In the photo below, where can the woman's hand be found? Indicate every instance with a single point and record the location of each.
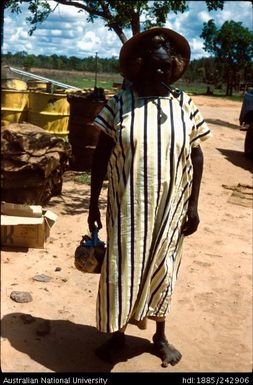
(94, 218)
(192, 221)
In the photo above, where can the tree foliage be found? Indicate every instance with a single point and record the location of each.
(232, 47)
(116, 14)
(203, 72)
(60, 62)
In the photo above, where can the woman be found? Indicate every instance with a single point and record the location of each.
(149, 148)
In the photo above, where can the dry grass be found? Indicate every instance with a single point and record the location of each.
(59, 74)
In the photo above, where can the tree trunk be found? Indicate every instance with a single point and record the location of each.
(119, 32)
(135, 23)
(229, 89)
(230, 79)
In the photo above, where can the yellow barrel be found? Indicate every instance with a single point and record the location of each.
(50, 112)
(38, 85)
(14, 106)
(14, 84)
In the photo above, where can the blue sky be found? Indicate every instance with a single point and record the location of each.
(67, 32)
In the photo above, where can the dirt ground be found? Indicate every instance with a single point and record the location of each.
(211, 319)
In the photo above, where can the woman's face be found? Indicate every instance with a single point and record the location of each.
(156, 68)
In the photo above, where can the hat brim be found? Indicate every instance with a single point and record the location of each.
(129, 53)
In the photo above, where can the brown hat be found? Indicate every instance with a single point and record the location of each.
(129, 65)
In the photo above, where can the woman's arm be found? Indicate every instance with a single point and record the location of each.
(192, 220)
(98, 172)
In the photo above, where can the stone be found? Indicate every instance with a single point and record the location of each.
(42, 278)
(21, 296)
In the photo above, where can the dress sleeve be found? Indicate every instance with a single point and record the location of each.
(200, 130)
(106, 117)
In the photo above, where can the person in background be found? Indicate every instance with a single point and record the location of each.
(149, 148)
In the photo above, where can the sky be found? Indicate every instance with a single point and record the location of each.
(67, 32)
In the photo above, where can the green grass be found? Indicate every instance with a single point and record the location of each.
(88, 83)
(80, 79)
(86, 80)
(84, 178)
(200, 89)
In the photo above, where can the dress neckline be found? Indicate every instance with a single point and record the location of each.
(170, 96)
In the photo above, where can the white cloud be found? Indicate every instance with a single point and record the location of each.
(89, 42)
(23, 34)
(56, 32)
(67, 12)
(67, 32)
(204, 16)
(28, 46)
(181, 21)
(224, 16)
(196, 44)
(79, 29)
(8, 21)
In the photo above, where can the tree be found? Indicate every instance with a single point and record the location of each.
(29, 62)
(116, 14)
(232, 47)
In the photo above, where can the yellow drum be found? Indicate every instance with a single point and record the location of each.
(49, 111)
(38, 85)
(14, 106)
(14, 84)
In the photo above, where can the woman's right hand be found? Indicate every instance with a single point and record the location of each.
(94, 218)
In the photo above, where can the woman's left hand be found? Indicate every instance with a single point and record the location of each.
(192, 220)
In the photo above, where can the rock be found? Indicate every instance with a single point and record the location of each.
(21, 296)
(42, 278)
(58, 269)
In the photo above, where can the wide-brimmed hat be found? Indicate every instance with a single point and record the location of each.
(129, 52)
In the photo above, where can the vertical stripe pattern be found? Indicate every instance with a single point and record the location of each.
(150, 178)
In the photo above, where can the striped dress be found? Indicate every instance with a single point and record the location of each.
(150, 178)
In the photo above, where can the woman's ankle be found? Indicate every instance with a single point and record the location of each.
(157, 337)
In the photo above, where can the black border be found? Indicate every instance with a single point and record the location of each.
(119, 378)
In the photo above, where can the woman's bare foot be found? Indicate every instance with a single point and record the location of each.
(167, 352)
(111, 350)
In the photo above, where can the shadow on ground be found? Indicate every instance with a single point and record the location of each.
(15, 249)
(74, 201)
(65, 346)
(237, 158)
(220, 122)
